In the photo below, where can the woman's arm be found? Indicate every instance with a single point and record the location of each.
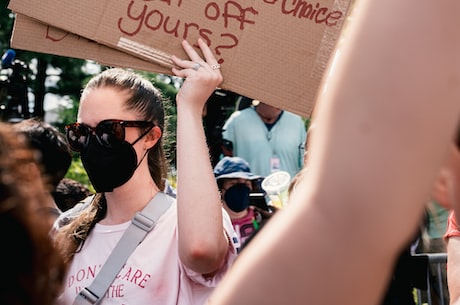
(383, 121)
(202, 241)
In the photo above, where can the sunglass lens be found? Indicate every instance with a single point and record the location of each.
(110, 133)
(77, 136)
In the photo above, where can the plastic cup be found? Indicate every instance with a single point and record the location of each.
(276, 186)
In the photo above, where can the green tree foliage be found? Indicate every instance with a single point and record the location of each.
(77, 172)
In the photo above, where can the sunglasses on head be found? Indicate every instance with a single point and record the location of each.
(109, 133)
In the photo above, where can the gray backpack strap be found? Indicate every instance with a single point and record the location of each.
(142, 223)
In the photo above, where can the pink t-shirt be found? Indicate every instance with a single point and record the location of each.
(245, 227)
(153, 274)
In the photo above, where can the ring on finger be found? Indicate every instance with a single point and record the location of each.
(215, 67)
(196, 66)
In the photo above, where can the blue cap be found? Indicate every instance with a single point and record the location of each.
(233, 168)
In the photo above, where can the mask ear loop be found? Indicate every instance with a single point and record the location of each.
(143, 157)
(143, 135)
(146, 152)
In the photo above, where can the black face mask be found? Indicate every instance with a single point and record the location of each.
(237, 197)
(108, 167)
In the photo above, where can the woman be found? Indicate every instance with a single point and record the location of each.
(119, 137)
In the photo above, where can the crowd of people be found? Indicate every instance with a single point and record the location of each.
(355, 204)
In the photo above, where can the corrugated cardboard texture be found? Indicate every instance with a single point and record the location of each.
(270, 50)
(31, 35)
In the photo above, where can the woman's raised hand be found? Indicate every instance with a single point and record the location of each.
(202, 76)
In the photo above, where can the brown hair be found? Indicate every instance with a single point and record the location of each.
(144, 99)
(53, 151)
(35, 269)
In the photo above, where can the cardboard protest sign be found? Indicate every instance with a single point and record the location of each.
(271, 50)
(32, 35)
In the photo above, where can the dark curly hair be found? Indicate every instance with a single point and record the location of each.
(51, 145)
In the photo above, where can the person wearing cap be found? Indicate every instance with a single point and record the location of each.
(236, 181)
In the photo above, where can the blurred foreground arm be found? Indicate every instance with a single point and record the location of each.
(383, 124)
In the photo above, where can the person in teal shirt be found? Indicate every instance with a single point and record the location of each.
(268, 138)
